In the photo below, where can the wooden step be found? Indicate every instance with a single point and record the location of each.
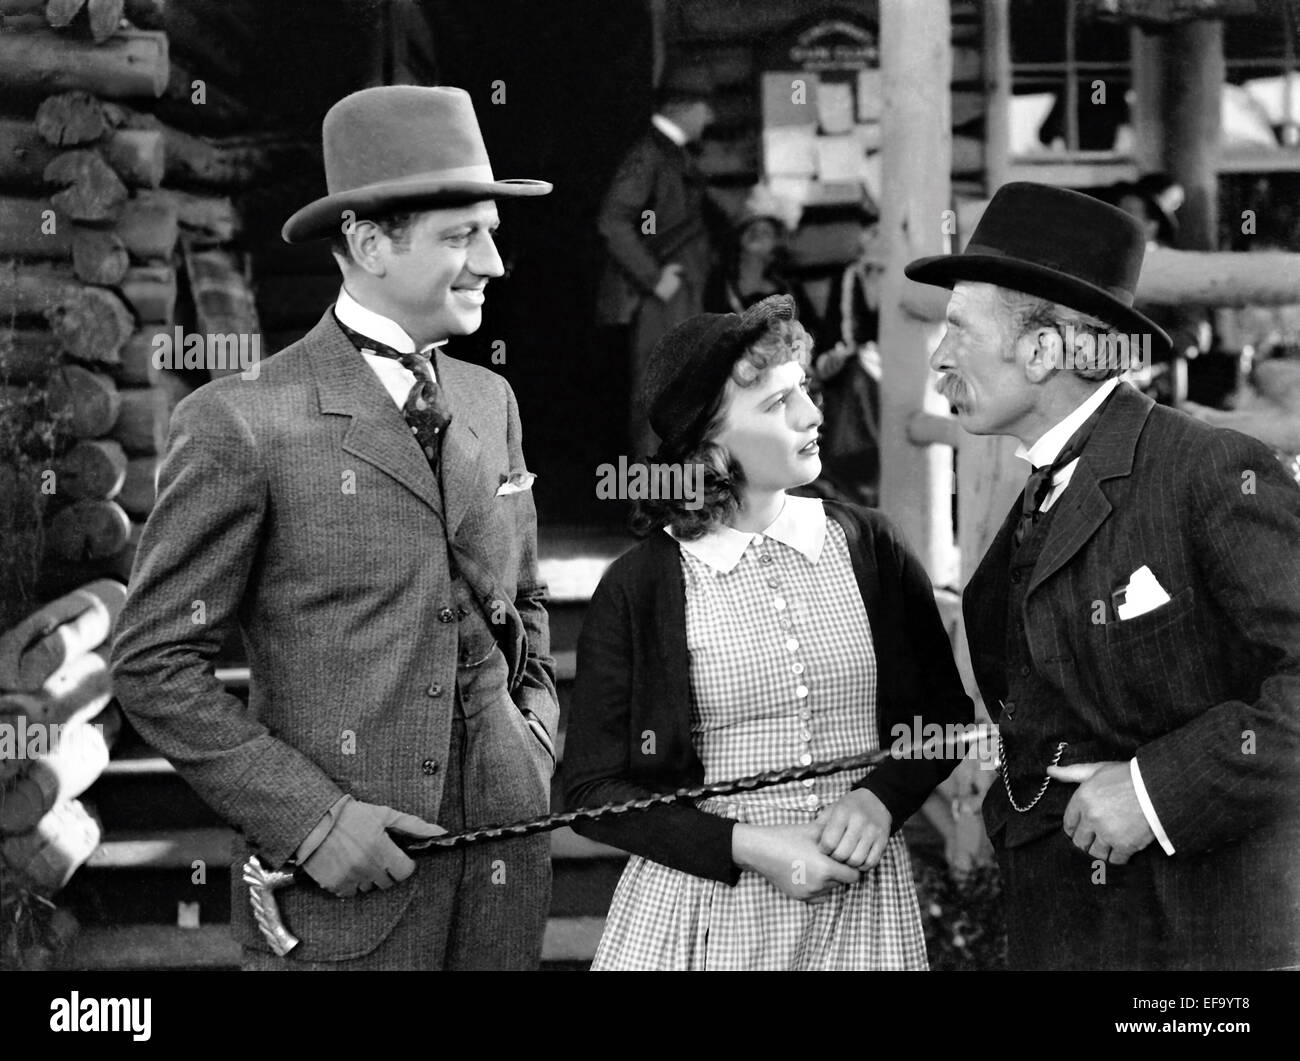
(155, 947)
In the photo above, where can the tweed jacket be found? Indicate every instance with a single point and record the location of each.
(298, 508)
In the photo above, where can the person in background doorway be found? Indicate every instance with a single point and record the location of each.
(653, 227)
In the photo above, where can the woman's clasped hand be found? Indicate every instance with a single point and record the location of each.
(809, 861)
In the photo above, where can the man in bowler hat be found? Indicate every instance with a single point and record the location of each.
(1135, 625)
(362, 513)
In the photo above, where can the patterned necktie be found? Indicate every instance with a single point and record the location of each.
(1040, 479)
(425, 408)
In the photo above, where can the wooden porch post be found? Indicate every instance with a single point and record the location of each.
(1195, 68)
(997, 93)
(916, 128)
(1148, 64)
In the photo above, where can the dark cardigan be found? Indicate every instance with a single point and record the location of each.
(629, 728)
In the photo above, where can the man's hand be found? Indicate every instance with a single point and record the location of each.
(670, 282)
(856, 829)
(1103, 816)
(787, 855)
(357, 854)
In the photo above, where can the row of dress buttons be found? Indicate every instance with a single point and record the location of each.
(811, 800)
(446, 615)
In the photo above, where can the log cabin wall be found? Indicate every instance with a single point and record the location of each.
(136, 138)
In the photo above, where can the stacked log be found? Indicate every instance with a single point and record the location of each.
(57, 728)
(87, 253)
(102, 207)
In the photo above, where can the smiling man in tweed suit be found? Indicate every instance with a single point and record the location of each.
(362, 512)
(1135, 625)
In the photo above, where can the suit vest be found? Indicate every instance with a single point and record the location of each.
(1031, 717)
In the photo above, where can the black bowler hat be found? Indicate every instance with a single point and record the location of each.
(1056, 244)
(691, 363)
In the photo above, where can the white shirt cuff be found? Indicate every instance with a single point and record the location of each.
(1149, 811)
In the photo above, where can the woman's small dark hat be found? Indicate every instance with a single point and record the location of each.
(691, 363)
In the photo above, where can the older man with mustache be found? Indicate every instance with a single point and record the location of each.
(1135, 625)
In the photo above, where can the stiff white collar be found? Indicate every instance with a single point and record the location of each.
(801, 524)
(670, 129)
(375, 325)
(1045, 450)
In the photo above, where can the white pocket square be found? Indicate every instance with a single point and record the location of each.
(516, 483)
(1142, 594)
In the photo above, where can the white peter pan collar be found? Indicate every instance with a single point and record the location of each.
(801, 524)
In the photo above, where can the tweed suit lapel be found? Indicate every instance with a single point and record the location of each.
(1084, 506)
(461, 472)
(378, 434)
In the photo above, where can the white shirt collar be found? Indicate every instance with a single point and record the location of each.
(375, 325)
(801, 525)
(1045, 450)
(670, 129)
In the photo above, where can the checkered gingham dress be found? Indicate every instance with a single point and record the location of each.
(783, 671)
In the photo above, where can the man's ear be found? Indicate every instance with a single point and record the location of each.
(368, 243)
(1042, 354)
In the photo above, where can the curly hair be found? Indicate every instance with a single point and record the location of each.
(723, 478)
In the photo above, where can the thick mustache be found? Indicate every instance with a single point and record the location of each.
(952, 387)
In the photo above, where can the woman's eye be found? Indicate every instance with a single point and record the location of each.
(459, 240)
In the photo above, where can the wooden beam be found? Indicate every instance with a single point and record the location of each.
(1225, 278)
(916, 68)
(931, 429)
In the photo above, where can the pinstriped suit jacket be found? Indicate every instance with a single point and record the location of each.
(1204, 690)
(299, 507)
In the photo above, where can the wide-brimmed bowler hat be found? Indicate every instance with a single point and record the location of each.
(400, 147)
(1057, 244)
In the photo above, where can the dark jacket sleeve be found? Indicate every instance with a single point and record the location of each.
(601, 746)
(620, 218)
(1234, 767)
(926, 683)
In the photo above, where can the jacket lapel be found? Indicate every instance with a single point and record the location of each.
(984, 600)
(460, 445)
(379, 434)
(1084, 506)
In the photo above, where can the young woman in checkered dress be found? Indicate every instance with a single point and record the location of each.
(754, 630)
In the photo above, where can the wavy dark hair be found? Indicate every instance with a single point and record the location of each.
(723, 479)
